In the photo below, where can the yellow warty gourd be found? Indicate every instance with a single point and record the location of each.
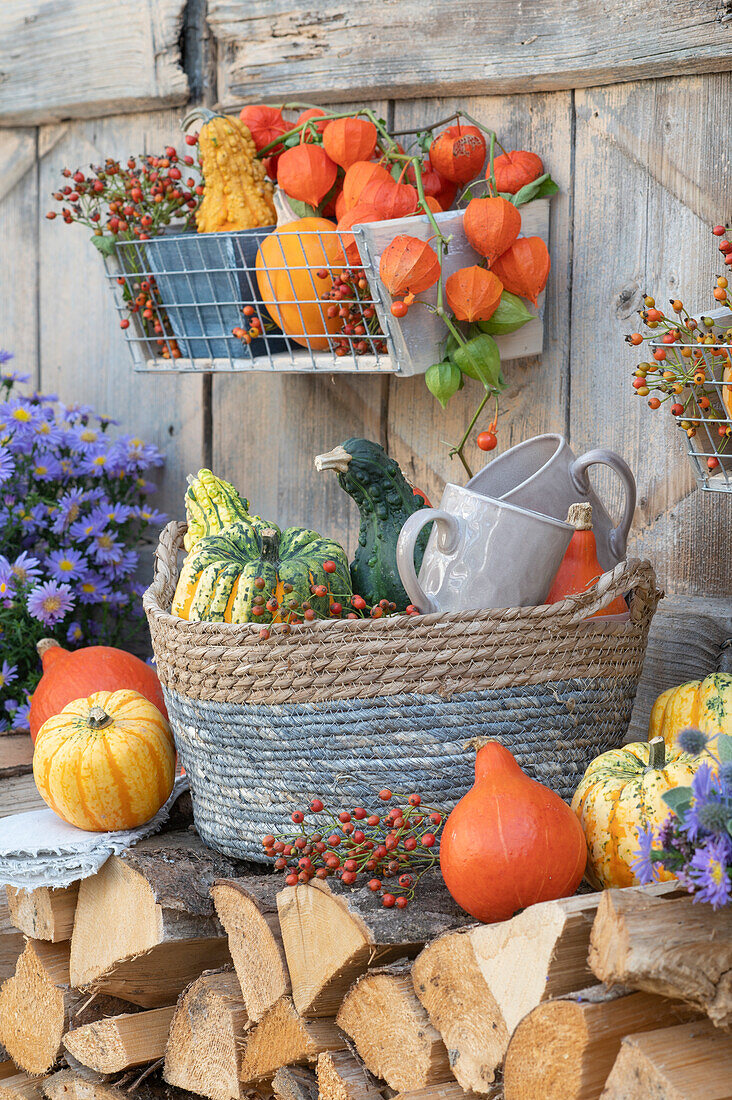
(236, 193)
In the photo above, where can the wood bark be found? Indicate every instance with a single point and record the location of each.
(161, 929)
(204, 1049)
(689, 1062)
(71, 1084)
(20, 1086)
(295, 1083)
(44, 913)
(284, 1038)
(341, 1076)
(247, 909)
(332, 934)
(670, 946)
(12, 942)
(565, 1049)
(38, 1006)
(278, 49)
(392, 1032)
(449, 1090)
(121, 1042)
(36, 86)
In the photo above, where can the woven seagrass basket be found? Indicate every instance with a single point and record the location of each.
(342, 709)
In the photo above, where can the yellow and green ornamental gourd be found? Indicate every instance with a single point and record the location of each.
(236, 192)
(211, 505)
(621, 792)
(706, 704)
(217, 581)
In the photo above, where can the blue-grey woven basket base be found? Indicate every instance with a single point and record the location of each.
(251, 766)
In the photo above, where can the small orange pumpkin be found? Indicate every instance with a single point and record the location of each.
(580, 567)
(106, 762)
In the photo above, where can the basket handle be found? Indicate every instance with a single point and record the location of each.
(634, 576)
(159, 595)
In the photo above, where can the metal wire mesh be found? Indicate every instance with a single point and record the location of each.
(184, 300)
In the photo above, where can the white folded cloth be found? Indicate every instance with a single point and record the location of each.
(40, 849)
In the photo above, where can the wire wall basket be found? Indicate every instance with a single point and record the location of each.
(706, 400)
(298, 301)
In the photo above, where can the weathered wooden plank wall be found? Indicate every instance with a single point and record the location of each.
(643, 167)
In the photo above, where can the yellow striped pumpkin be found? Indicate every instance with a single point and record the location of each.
(106, 762)
(622, 791)
(706, 704)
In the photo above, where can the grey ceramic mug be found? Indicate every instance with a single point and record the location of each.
(481, 553)
(544, 475)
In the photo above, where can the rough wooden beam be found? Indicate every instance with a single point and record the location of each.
(55, 64)
(247, 908)
(342, 1076)
(43, 913)
(20, 1086)
(204, 1048)
(392, 1032)
(16, 749)
(689, 1062)
(12, 941)
(283, 1038)
(70, 1084)
(18, 794)
(38, 1006)
(565, 1049)
(159, 926)
(117, 1043)
(277, 49)
(332, 934)
(670, 946)
(295, 1083)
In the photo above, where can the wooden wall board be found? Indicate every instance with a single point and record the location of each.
(648, 186)
(19, 228)
(75, 59)
(538, 388)
(338, 49)
(82, 354)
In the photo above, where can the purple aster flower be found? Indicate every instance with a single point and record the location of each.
(22, 714)
(7, 465)
(46, 467)
(704, 788)
(92, 588)
(106, 548)
(26, 569)
(69, 509)
(86, 529)
(7, 580)
(105, 421)
(5, 356)
(75, 633)
(85, 438)
(150, 515)
(77, 412)
(4, 724)
(643, 867)
(8, 673)
(67, 565)
(710, 873)
(95, 462)
(127, 563)
(145, 488)
(49, 602)
(47, 431)
(17, 413)
(11, 705)
(110, 512)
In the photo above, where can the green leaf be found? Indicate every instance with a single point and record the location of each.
(480, 358)
(510, 315)
(302, 209)
(724, 748)
(104, 244)
(443, 380)
(539, 188)
(679, 799)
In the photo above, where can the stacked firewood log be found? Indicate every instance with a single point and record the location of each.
(176, 971)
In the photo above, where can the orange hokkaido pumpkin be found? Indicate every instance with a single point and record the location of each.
(580, 567)
(509, 842)
(71, 674)
(287, 262)
(106, 762)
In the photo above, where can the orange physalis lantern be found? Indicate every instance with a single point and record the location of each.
(473, 293)
(434, 185)
(391, 199)
(357, 215)
(524, 267)
(356, 178)
(515, 169)
(458, 153)
(431, 203)
(307, 173)
(347, 140)
(408, 266)
(312, 112)
(491, 226)
(340, 205)
(265, 124)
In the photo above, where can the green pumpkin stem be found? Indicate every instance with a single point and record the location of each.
(270, 538)
(98, 719)
(657, 753)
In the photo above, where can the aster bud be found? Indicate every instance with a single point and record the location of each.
(692, 740)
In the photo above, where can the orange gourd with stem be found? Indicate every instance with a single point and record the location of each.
(306, 173)
(347, 140)
(408, 266)
(514, 170)
(580, 567)
(509, 842)
(524, 267)
(491, 225)
(356, 178)
(458, 153)
(473, 293)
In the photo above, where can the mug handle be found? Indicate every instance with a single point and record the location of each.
(600, 456)
(448, 531)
